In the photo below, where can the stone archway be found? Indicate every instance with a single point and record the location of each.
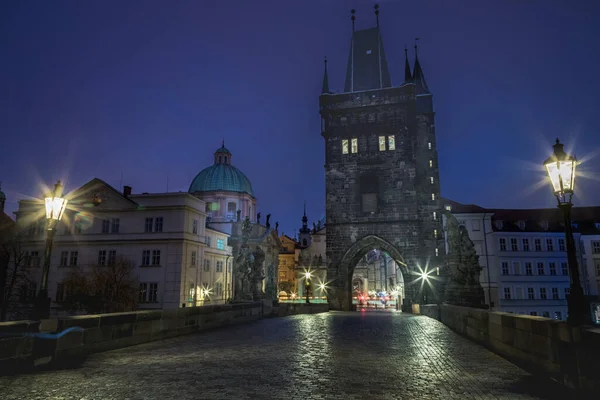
(341, 288)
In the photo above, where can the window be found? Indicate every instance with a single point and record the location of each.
(218, 289)
(153, 293)
(78, 227)
(437, 252)
(155, 257)
(434, 216)
(28, 292)
(115, 222)
(345, 146)
(381, 143)
(546, 314)
(231, 206)
(557, 315)
(431, 179)
(105, 226)
(507, 293)
(561, 244)
(525, 243)
(530, 293)
(391, 142)
(528, 269)
(146, 257)
(502, 244)
(566, 291)
(596, 246)
(540, 268)
(148, 225)
(544, 225)
(60, 292)
(519, 293)
(430, 163)
(73, 260)
(158, 224)
(102, 257)
(34, 259)
(543, 295)
(435, 233)
(432, 196)
(565, 268)
(354, 145)
(552, 268)
(549, 245)
(195, 227)
(207, 265)
(505, 268)
(191, 292)
(533, 314)
(475, 225)
(429, 145)
(221, 244)
(521, 225)
(148, 293)
(193, 259)
(369, 202)
(513, 245)
(219, 266)
(538, 244)
(555, 293)
(64, 258)
(112, 257)
(516, 268)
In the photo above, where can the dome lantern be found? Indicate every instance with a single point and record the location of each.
(222, 155)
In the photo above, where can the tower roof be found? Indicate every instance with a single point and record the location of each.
(325, 88)
(407, 74)
(419, 76)
(367, 64)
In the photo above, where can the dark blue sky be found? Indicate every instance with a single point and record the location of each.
(149, 89)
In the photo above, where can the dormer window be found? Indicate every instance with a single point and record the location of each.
(576, 226)
(597, 224)
(544, 225)
(499, 224)
(521, 225)
(448, 208)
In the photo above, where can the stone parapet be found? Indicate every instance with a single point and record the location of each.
(541, 345)
(24, 344)
(284, 309)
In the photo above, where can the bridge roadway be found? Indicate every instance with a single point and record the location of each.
(336, 355)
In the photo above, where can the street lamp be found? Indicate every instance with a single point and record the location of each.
(55, 208)
(561, 170)
(307, 276)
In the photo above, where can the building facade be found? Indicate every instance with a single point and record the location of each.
(381, 167)
(523, 256)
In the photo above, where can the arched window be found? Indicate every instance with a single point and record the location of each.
(225, 159)
(304, 242)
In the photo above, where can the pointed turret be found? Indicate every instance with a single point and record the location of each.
(325, 89)
(407, 74)
(305, 236)
(418, 76)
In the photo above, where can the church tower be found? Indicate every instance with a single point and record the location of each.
(305, 235)
(381, 168)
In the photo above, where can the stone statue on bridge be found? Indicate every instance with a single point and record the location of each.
(244, 263)
(463, 287)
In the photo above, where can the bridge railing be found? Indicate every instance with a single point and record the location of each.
(541, 345)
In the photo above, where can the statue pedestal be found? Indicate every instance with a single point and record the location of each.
(338, 299)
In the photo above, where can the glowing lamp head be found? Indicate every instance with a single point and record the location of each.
(322, 286)
(307, 275)
(55, 203)
(424, 275)
(561, 171)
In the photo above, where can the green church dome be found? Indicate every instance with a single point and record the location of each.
(221, 176)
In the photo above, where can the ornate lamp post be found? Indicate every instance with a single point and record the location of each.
(307, 285)
(55, 208)
(561, 170)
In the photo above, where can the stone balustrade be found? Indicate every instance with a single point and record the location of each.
(540, 345)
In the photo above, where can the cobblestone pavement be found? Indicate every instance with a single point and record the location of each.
(336, 355)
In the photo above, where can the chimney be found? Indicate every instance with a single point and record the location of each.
(126, 191)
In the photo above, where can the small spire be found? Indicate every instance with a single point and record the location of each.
(325, 88)
(376, 7)
(418, 76)
(223, 143)
(305, 208)
(353, 18)
(407, 74)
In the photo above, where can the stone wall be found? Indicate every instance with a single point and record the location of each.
(299, 308)
(110, 331)
(540, 345)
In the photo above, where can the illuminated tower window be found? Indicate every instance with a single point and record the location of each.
(434, 215)
(437, 252)
(429, 145)
(431, 180)
(345, 146)
(391, 142)
(430, 163)
(435, 233)
(354, 145)
(433, 196)
(381, 143)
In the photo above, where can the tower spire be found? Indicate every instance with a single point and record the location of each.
(376, 7)
(325, 80)
(407, 74)
(418, 76)
(353, 18)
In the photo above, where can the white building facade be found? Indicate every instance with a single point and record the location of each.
(523, 256)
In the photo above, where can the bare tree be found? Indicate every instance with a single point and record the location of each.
(105, 289)
(15, 279)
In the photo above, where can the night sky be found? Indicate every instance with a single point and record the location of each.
(150, 88)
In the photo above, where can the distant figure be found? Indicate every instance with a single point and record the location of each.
(258, 218)
(276, 226)
(268, 220)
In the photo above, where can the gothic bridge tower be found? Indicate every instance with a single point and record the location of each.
(381, 169)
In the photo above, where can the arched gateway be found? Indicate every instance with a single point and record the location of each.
(381, 169)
